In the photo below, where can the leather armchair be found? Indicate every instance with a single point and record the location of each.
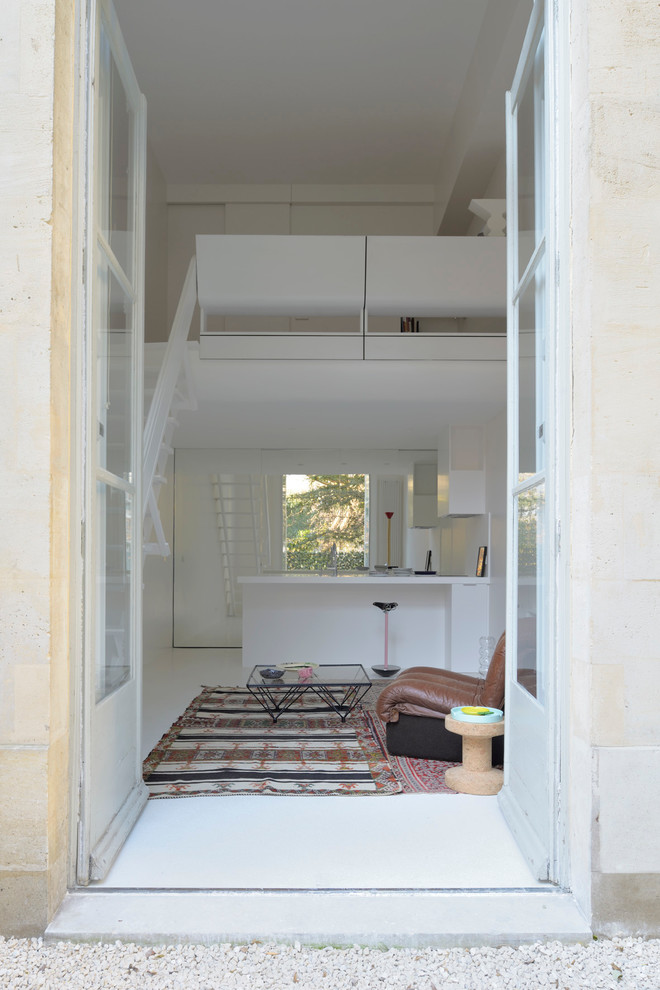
(415, 704)
(433, 692)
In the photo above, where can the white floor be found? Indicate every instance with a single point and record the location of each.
(172, 678)
(400, 842)
(431, 842)
(411, 870)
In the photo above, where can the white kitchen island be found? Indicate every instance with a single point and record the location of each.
(326, 619)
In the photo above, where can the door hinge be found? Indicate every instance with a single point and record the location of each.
(558, 540)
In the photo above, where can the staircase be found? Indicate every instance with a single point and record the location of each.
(172, 392)
(241, 512)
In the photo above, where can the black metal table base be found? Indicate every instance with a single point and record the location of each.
(339, 698)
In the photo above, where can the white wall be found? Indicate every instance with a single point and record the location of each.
(384, 219)
(184, 223)
(200, 612)
(495, 189)
(417, 543)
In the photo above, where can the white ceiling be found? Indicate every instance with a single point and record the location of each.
(337, 404)
(310, 91)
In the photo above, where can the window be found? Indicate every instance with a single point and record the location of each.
(324, 514)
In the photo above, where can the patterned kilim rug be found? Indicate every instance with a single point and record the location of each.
(415, 776)
(225, 743)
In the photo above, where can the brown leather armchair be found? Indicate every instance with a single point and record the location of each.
(415, 704)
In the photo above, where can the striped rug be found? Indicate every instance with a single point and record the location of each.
(224, 743)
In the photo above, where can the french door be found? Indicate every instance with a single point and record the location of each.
(112, 793)
(530, 798)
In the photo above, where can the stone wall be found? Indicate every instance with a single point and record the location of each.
(35, 222)
(615, 460)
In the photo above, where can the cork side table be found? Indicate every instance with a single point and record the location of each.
(476, 775)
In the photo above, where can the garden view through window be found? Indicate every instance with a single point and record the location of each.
(325, 521)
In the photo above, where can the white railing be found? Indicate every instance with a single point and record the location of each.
(175, 359)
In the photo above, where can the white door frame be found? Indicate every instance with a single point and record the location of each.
(558, 68)
(89, 856)
(547, 851)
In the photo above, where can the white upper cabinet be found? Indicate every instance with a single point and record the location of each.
(436, 276)
(299, 275)
(461, 472)
(280, 275)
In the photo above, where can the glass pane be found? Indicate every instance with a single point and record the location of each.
(531, 512)
(325, 521)
(531, 163)
(531, 372)
(114, 362)
(114, 575)
(116, 176)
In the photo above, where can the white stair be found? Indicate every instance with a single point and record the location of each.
(242, 524)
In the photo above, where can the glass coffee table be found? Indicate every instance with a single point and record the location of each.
(337, 687)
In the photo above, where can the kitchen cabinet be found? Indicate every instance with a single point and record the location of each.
(461, 480)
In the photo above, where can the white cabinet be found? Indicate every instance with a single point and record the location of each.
(436, 276)
(468, 623)
(273, 275)
(461, 481)
(366, 282)
(289, 275)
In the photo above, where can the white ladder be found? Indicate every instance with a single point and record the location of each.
(242, 524)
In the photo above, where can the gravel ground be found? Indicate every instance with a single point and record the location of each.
(626, 963)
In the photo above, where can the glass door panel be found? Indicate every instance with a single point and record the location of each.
(530, 591)
(531, 369)
(531, 161)
(114, 357)
(114, 601)
(116, 144)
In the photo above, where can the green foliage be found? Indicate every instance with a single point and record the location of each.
(331, 511)
(530, 535)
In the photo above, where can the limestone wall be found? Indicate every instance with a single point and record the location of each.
(35, 220)
(615, 460)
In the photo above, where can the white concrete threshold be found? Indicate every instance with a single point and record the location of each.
(404, 918)
(256, 842)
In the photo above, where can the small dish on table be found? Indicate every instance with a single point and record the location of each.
(477, 713)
